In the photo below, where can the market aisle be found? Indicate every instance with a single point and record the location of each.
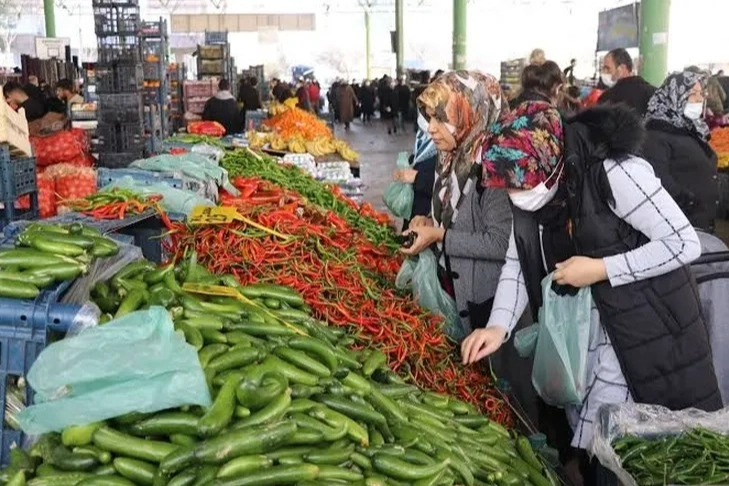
(378, 154)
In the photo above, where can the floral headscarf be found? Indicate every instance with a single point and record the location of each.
(469, 102)
(524, 148)
(669, 102)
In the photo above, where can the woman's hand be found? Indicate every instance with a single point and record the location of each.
(406, 176)
(419, 221)
(580, 271)
(427, 235)
(482, 343)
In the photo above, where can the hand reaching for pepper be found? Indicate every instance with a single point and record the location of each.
(427, 235)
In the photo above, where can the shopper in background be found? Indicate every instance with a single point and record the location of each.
(623, 86)
(223, 108)
(541, 82)
(249, 97)
(66, 91)
(367, 101)
(569, 72)
(715, 95)
(677, 146)
(402, 94)
(315, 95)
(16, 97)
(602, 221)
(346, 100)
(537, 57)
(302, 95)
(468, 227)
(388, 104)
(32, 88)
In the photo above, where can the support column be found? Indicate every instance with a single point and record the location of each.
(399, 54)
(50, 15)
(459, 33)
(654, 20)
(368, 42)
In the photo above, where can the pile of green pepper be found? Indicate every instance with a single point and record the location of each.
(292, 405)
(696, 457)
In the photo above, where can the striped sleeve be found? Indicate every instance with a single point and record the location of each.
(642, 202)
(511, 294)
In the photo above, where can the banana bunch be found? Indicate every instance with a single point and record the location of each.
(256, 140)
(297, 145)
(276, 108)
(320, 147)
(278, 143)
(345, 151)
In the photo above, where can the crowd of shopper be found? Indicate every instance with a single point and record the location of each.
(612, 197)
(38, 99)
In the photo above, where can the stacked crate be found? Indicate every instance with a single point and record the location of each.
(119, 82)
(214, 61)
(176, 73)
(18, 184)
(511, 73)
(155, 57)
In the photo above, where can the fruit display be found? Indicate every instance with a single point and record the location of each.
(292, 404)
(46, 254)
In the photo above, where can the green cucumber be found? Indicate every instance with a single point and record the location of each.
(18, 290)
(139, 472)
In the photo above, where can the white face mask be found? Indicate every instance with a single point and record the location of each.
(693, 111)
(534, 199)
(607, 80)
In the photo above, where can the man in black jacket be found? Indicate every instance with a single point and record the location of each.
(624, 86)
(223, 109)
(16, 95)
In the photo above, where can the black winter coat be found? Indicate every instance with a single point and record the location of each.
(655, 325)
(250, 97)
(634, 92)
(225, 112)
(686, 166)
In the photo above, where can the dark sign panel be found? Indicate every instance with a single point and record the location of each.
(618, 27)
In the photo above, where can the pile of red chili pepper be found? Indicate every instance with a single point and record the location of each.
(346, 279)
(115, 203)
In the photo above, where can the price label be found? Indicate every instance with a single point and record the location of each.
(213, 215)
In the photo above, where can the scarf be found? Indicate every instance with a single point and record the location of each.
(669, 102)
(524, 147)
(468, 102)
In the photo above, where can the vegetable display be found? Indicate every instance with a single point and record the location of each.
(46, 254)
(720, 143)
(374, 225)
(345, 279)
(115, 203)
(698, 456)
(291, 405)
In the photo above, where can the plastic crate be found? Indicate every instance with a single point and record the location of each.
(147, 236)
(104, 177)
(195, 106)
(213, 52)
(119, 79)
(9, 213)
(120, 137)
(113, 160)
(116, 20)
(105, 226)
(216, 37)
(122, 108)
(17, 176)
(113, 54)
(153, 71)
(198, 89)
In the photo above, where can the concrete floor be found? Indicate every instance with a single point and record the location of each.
(378, 154)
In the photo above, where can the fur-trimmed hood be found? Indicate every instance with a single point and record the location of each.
(606, 132)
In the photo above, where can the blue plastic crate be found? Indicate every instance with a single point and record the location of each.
(105, 176)
(147, 236)
(9, 213)
(216, 37)
(105, 226)
(17, 176)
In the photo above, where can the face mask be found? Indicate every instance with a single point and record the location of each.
(607, 80)
(533, 199)
(693, 111)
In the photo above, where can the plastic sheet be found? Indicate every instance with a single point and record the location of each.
(421, 275)
(100, 270)
(209, 151)
(134, 364)
(86, 318)
(173, 200)
(399, 196)
(616, 421)
(560, 344)
(195, 165)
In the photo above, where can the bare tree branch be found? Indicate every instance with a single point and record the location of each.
(9, 18)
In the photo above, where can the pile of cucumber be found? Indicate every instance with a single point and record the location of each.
(292, 405)
(46, 254)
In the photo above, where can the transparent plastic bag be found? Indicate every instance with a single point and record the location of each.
(100, 270)
(173, 200)
(86, 318)
(420, 274)
(399, 196)
(213, 153)
(194, 165)
(137, 363)
(559, 342)
(616, 421)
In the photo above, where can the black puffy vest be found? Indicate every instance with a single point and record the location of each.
(655, 325)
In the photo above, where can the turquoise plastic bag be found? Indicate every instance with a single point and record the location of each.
(137, 363)
(560, 344)
(399, 196)
(420, 273)
(173, 200)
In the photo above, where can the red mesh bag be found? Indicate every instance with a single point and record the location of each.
(46, 196)
(68, 146)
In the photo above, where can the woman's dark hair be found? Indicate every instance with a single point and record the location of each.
(543, 78)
